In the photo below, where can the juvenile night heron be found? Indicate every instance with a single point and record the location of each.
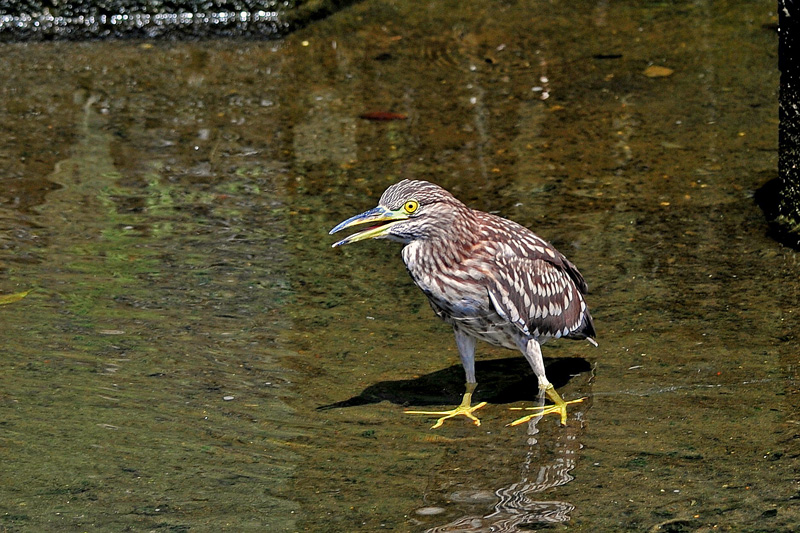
(490, 278)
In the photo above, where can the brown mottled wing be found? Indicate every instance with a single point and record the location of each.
(539, 290)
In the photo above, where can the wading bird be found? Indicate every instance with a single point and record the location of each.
(490, 278)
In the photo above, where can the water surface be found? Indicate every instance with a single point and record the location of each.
(169, 204)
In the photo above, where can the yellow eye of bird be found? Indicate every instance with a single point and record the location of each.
(411, 206)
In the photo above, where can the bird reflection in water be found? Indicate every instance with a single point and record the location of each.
(520, 506)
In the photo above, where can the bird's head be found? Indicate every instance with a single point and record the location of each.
(407, 211)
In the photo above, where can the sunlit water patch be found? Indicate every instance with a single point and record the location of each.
(142, 376)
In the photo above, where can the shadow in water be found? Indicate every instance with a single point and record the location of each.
(500, 381)
(768, 198)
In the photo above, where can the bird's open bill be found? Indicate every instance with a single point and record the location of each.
(384, 218)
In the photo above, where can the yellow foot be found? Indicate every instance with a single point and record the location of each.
(559, 408)
(461, 410)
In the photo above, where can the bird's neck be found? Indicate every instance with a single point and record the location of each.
(453, 242)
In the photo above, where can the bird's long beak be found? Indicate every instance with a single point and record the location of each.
(384, 218)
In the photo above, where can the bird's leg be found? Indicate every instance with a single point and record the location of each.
(533, 353)
(464, 409)
(466, 350)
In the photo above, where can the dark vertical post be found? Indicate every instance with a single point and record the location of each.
(788, 212)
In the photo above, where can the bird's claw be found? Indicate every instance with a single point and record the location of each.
(461, 410)
(560, 408)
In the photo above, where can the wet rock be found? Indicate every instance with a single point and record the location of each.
(656, 71)
(430, 511)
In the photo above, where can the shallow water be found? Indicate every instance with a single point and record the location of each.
(169, 203)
